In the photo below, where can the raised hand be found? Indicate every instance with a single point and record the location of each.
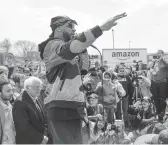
(112, 22)
(99, 116)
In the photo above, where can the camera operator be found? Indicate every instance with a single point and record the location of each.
(143, 83)
(129, 71)
(159, 87)
(126, 82)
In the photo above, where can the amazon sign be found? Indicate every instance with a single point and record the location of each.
(116, 56)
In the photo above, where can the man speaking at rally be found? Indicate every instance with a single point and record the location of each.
(65, 105)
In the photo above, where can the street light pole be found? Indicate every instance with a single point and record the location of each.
(113, 37)
(129, 44)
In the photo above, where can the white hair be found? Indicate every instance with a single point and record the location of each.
(29, 81)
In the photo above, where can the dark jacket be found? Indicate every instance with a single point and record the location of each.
(126, 83)
(30, 123)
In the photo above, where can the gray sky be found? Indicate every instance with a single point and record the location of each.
(146, 24)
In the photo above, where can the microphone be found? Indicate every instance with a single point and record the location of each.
(94, 46)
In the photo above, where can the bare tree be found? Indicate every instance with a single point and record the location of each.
(6, 45)
(25, 47)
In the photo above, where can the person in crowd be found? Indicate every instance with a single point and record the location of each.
(129, 71)
(125, 80)
(144, 84)
(161, 138)
(26, 71)
(16, 70)
(59, 54)
(97, 129)
(120, 133)
(5, 70)
(95, 69)
(102, 133)
(94, 110)
(29, 115)
(27, 63)
(93, 79)
(141, 117)
(19, 81)
(45, 87)
(107, 96)
(119, 88)
(159, 72)
(7, 132)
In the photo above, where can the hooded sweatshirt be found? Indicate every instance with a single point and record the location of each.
(107, 93)
(63, 73)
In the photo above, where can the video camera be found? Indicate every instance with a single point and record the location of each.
(156, 57)
(136, 79)
(137, 64)
(86, 88)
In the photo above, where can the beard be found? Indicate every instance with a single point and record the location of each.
(67, 37)
(6, 98)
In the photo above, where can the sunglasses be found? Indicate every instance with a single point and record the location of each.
(71, 25)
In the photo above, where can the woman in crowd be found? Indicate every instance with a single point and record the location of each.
(145, 84)
(96, 129)
(141, 116)
(19, 81)
(102, 133)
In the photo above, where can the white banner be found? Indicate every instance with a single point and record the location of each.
(116, 56)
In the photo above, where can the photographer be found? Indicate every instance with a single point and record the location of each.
(143, 83)
(159, 87)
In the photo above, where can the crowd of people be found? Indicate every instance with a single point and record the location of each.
(71, 103)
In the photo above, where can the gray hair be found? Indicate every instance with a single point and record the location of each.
(29, 81)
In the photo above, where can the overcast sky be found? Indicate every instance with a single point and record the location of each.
(146, 25)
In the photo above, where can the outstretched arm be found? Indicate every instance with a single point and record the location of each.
(61, 52)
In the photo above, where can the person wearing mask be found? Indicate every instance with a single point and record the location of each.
(59, 53)
(7, 132)
(29, 115)
(159, 76)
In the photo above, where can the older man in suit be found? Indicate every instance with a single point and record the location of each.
(29, 116)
